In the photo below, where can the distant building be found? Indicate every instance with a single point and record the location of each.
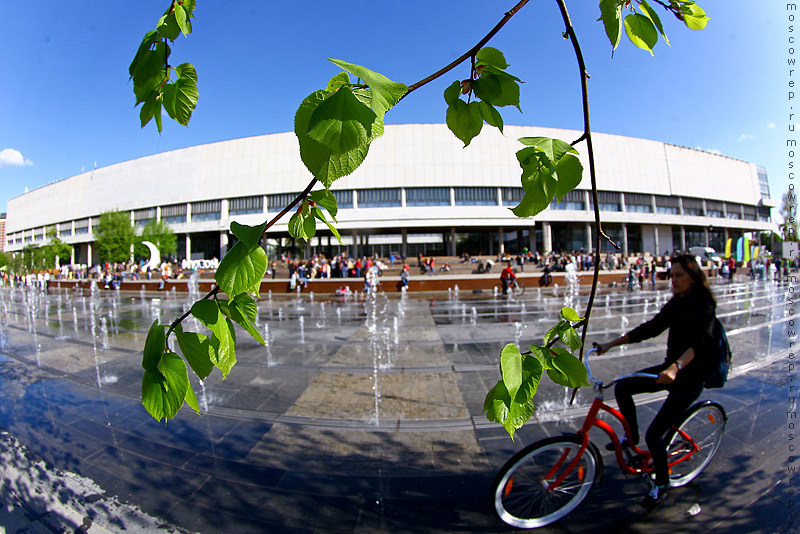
(2, 231)
(417, 192)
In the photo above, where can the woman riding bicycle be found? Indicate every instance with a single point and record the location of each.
(689, 315)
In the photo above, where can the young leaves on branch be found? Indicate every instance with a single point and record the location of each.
(550, 167)
(152, 75)
(335, 125)
(510, 401)
(643, 25)
(491, 85)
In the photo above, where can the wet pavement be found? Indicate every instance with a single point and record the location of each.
(364, 419)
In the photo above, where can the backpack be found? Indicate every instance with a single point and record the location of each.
(722, 358)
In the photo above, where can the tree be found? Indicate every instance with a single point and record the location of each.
(161, 235)
(56, 252)
(789, 226)
(115, 236)
(335, 127)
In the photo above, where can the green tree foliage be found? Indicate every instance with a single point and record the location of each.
(335, 127)
(56, 252)
(115, 236)
(161, 235)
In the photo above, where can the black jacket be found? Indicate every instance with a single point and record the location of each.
(690, 319)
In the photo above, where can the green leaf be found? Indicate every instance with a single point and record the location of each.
(153, 393)
(650, 13)
(694, 16)
(532, 370)
(452, 93)
(556, 331)
(325, 199)
(464, 120)
(569, 314)
(321, 216)
(183, 19)
(154, 346)
(491, 56)
(641, 31)
(385, 92)
(338, 81)
(537, 181)
(571, 339)
(511, 368)
(496, 403)
(341, 122)
(183, 98)
(150, 109)
(611, 15)
(168, 27)
(148, 41)
(222, 340)
(569, 371)
(319, 159)
(243, 310)
(191, 400)
(302, 225)
(149, 73)
(249, 235)
(569, 172)
(491, 115)
(176, 380)
(518, 414)
(242, 269)
(555, 149)
(197, 350)
(497, 90)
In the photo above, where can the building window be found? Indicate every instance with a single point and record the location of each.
(512, 196)
(693, 206)
(750, 213)
(378, 198)
(574, 200)
(66, 229)
(734, 211)
(208, 210)
(476, 196)
(608, 201)
(244, 205)
(280, 201)
(344, 199)
(173, 214)
(144, 216)
(82, 226)
(639, 203)
(714, 209)
(764, 214)
(427, 196)
(763, 183)
(670, 205)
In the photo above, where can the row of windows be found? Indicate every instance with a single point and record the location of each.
(211, 210)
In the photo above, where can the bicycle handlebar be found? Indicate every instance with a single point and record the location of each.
(599, 383)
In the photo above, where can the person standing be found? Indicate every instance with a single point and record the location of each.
(690, 317)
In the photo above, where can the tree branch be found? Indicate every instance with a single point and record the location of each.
(469, 53)
(587, 136)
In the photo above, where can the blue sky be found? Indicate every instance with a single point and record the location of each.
(66, 103)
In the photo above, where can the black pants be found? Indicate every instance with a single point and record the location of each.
(682, 394)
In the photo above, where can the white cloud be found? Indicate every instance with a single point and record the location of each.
(747, 137)
(13, 158)
(771, 125)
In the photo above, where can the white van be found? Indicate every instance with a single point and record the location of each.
(705, 255)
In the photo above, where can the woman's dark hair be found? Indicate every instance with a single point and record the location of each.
(690, 265)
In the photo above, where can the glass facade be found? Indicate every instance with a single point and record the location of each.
(244, 205)
(379, 198)
(427, 196)
(476, 196)
(174, 214)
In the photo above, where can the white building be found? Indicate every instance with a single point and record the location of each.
(417, 191)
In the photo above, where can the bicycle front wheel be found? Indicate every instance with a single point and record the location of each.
(522, 492)
(703, 427)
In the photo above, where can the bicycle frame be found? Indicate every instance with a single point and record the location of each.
(592, 421)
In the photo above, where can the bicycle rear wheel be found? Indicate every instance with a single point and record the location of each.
(521, 490)
(705, 425)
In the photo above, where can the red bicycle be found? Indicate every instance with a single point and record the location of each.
(548, 479)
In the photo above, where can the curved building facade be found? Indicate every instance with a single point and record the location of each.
(417, 192)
